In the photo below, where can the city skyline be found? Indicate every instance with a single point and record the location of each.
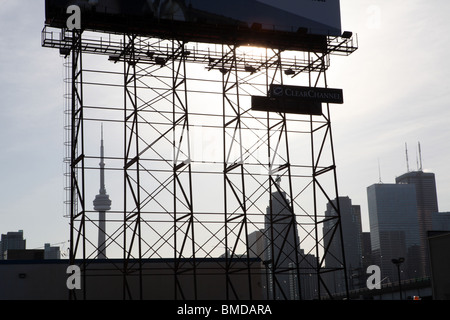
(389, 100)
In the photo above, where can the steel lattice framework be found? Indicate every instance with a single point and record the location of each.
(198, 179)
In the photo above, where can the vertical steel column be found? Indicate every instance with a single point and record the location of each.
(324, 165)
(132, 187)
(235, 200)
(281, 223)
(77, 197)
(183, 215)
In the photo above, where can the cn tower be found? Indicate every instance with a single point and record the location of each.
(102, 203)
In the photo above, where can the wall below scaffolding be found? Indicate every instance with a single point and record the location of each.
(46, 280)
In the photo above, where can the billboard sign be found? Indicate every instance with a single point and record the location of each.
(318, 16)
(286, 105)
(205, 19)
(296, 99)
(325, 95)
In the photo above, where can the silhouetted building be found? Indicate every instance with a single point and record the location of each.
(257, 244)
(394, 229)
(48, 253)
(366, 250)
(282, 254)
(51, 252)
(439, 244)
(259, 248)
(350, 219)
(441, 221)
(427, 204)
(11, 241)
(308, 276)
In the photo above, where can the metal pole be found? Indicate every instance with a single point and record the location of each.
(399, 281)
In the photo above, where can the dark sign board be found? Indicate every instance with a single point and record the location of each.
(286, 105)
(296, 99)
(325, 95)
(271, 23)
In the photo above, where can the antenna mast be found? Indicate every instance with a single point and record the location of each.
(407, 160)
(420, 158)
(379, 171)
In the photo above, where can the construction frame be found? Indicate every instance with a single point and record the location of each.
(194, 169)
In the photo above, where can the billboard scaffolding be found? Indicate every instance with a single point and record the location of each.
(199, 181)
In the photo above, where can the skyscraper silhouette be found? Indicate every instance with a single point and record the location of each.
(427, 204)
(352, 233)
(394, 229)
(282, 248)
(11, 240)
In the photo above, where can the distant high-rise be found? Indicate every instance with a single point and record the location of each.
(394, 229)
(366, 250)
(51, 252)
(427, 204)
(11, 241)
(352, 231)
(285, 238)
(102, 203)
(282, 248)
(257, 244)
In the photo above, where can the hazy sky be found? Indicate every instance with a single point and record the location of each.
(396, 91)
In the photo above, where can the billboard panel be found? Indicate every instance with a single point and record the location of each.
(326, 95)
(204, 19)
(286, 105)
(318, 16)
(296, 99)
